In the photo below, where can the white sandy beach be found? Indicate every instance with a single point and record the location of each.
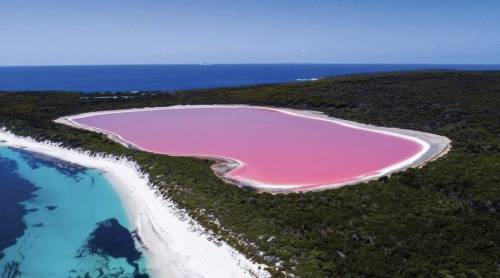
(175, 245)
(432, 146)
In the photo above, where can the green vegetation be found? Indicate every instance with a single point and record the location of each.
(442, 220)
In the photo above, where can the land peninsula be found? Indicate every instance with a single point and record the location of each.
(439, 220)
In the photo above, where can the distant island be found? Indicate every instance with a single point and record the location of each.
(437, 220)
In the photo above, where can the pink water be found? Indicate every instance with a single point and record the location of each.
(276, 148)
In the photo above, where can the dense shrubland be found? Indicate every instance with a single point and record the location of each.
(441, 220)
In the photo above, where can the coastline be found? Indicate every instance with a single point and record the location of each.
(174, 244)
(433, 146)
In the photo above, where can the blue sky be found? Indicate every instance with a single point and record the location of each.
(49, 32)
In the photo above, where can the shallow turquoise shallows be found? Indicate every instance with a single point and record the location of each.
(74, 223)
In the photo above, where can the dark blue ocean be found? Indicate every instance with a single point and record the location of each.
(180, 77)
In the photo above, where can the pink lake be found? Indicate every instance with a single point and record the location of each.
(274, 148)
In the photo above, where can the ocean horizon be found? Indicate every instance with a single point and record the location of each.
(175, 77)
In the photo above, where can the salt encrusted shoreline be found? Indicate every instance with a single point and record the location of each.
(175, 245)
(433, 146)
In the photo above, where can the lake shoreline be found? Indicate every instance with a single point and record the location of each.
(433, 146)
(175, 245)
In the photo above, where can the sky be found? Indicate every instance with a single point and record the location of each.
(62, 32)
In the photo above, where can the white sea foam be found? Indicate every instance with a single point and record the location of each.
(307, 79)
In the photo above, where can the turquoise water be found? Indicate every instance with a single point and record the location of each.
(67, 221)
